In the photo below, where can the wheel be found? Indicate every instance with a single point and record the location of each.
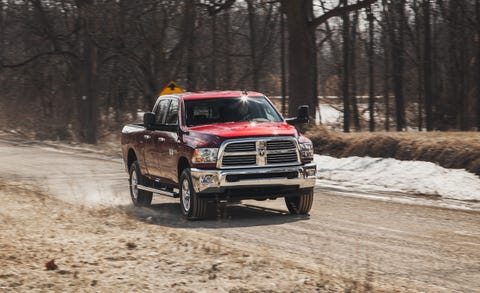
(193, 207)
(301, 204)
(139, 197)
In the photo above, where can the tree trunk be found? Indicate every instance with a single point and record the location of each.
(2, 27)
(457, 95)
(228, 51)
(418, 52)
(353, 72)
(213, 64)
(190, 17)
(371, 69)
(302, 57)
(2, 44)
(427, 67)
(253, 43)
(477, 64)
(463, 110)
(386, 66)
(397, 36)
(282, 63)
(88, 72)
(346, 71)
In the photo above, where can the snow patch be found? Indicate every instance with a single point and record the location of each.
(328, 115)
(417, 177)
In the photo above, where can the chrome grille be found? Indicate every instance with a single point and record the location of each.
(280, 144)
(239, 160)
(241, 147)
(262, 152)
(277, 158)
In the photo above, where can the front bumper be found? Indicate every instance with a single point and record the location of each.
(219, 181)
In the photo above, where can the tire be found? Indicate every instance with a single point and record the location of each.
(140, 198)
(300, 205)
(193, 207)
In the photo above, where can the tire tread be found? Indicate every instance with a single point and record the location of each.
(301, 204)
(144, 198)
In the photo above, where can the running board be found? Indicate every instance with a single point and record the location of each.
(159, 191)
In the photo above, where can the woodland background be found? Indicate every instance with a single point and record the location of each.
(77, 70)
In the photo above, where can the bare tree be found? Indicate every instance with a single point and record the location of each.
(87, 65)
(353, 67)
(346, 70)
(386, 62)
(427, 66)
(302, 48)
(214, 7)
(477, 69)
(189, 24)
(253, 43)
(396, 36)
(371, 68)
(87, 76)
(228, 45)
(415, 37)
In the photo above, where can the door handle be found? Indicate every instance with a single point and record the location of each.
(146, 136)
(161, 139)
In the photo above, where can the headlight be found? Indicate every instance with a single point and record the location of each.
(306, 150)
(205, 155)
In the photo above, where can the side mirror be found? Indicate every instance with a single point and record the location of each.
(148, 120)
(302, 116)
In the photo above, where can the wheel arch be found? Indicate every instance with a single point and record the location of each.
(182, 165)
(131, 157)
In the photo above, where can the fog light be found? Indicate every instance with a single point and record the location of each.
(207, 179)
(310, 172)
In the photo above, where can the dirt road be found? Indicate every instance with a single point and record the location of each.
(75, 208)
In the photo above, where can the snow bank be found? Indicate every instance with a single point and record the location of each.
(408, 176)
(328, 115)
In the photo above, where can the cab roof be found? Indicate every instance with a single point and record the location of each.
(217, 94)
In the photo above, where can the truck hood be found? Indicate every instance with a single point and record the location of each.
(244, 129)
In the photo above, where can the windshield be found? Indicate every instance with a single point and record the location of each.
(223, 110)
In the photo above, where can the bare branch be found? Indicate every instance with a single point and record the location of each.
(213, 7)
(35, 57)
(339, 11)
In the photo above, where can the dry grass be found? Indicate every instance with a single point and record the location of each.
(447, 149)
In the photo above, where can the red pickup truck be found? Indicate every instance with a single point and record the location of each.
(220, 146)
